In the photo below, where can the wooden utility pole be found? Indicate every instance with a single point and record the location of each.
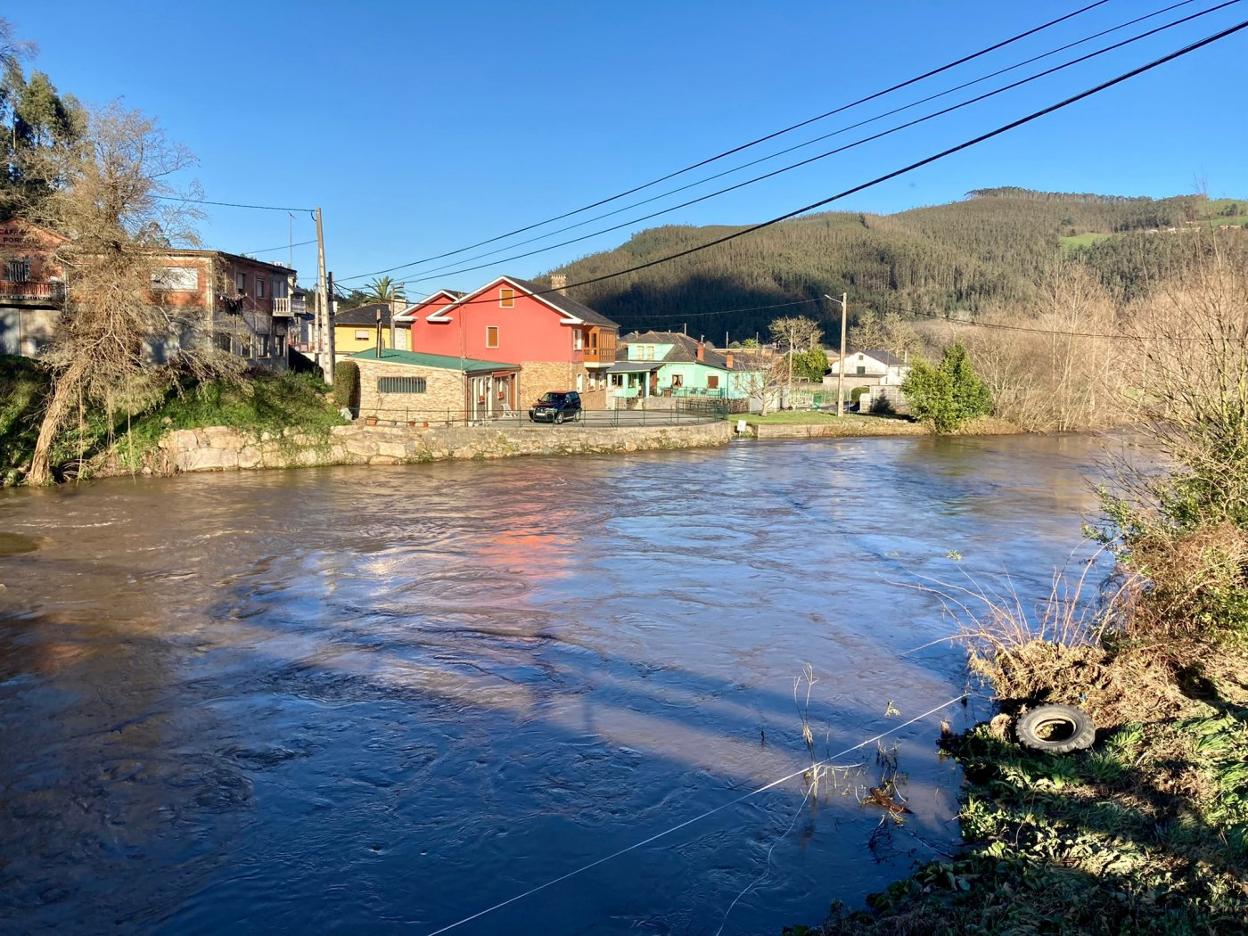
(323, 313)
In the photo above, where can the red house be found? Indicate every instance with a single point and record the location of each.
(559, 343)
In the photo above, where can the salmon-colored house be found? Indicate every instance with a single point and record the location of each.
(559, 343)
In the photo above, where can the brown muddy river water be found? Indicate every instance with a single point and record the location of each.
(381, 700)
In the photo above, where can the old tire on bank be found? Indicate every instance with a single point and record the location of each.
(1056, 729)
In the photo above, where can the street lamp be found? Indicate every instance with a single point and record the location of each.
(840, 371)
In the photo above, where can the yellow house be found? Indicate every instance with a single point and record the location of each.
(356, 329)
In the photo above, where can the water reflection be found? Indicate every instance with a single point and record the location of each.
(381, 699)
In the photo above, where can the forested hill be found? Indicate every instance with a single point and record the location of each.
(988, 249)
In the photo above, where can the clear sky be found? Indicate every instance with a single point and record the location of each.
(421, 127)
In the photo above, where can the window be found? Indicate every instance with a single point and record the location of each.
(279, 287)
(175, 279)
(362, 334)
(861, 369)
(491, 336)
(862, 357)
(678, 381)
(506, 298)
(222, 342)
(580, 382)
(279, 345)
(240, 283)
(578, 341)
(401, 385)
(593, 341)
(17, 271)
(712, 382)
(259, 286)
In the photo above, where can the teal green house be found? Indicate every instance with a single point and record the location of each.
(671, 364)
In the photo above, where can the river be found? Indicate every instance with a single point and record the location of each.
(384, 699)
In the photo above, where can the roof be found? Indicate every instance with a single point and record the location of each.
(175, 252)
(420, 359)
(364, 315)
(568, 307)
(633, 367)
(684, 349)
(884, 357)
(565, 304)
(409, 314)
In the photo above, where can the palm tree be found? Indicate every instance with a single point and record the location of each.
(383, 289)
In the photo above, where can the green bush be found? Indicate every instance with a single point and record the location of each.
(948, 394)
(810, 365)
(347, 385)
(856, 393)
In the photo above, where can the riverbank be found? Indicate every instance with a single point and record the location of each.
(793, 424)
(222, 448)
(1147, 832)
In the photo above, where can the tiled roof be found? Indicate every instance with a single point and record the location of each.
(565, 303)
(684, 349)
(364, 315)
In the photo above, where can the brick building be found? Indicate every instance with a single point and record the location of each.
(409, 386)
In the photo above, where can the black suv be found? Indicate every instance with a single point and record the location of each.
(557, 407)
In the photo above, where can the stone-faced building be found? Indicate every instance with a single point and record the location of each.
(32, 288)
(410, 386)
(559, 343)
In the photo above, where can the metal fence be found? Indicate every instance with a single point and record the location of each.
(586, 418)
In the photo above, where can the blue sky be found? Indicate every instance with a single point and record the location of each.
(422, 127)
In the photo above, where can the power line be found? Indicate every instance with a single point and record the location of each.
(1039, 331)
(967, 144)
(224, 204)
(698, 818)
(279, 247)
(811, 159)
(689, 315)
(744, 146)
(825, 136)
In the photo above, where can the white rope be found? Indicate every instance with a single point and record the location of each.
(698, 818)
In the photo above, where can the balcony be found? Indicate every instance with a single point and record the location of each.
(288, 306)
(27, 291)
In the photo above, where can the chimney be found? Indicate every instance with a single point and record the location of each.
(559, 282)
(701, 351)
(728, 359)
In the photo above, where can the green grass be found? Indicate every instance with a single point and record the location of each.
(1075, 241)
(262, 403)
(806, 418)
(1146, 833)
(23, 384)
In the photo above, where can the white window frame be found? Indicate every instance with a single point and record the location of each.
(362, 334)
(578, 340)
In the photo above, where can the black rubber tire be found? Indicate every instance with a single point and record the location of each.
(558, 419)
(1030, 729)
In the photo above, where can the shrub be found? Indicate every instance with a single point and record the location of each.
(948, 394)
(811, 364)
(856, 393)
(347, 385)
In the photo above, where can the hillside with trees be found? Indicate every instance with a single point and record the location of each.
(986, 252)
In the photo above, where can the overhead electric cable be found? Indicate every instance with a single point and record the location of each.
(966, 144)
(832, 152)
(812, 141)
(225, 204)
(704, 815)
(744, 146)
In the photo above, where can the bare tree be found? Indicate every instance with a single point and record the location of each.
(762, 377)
(792, 334)
(109, 208)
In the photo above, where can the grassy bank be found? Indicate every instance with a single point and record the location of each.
(258, 403)
(856, 424)
(1146, 833)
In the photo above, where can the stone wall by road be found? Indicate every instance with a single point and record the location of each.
(219, 448)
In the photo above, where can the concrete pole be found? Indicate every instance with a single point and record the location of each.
(840, 371)
(322, 304)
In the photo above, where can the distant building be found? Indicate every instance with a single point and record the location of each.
(559, 343)
(241, 305)
(879, 372)
(673, 365)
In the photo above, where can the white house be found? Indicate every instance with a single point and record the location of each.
(878, 371)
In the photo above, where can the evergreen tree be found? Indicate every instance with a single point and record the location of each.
(949, 394)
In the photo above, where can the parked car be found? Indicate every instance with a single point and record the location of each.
(557, 407)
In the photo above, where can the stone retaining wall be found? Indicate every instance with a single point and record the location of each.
(218, 448)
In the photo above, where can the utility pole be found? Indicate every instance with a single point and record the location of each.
(840, 371)
(322, 304)
(330, 312)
